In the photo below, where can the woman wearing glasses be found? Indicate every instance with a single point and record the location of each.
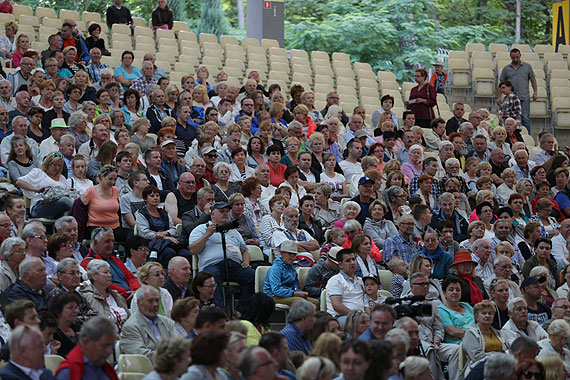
(37, 181)
(530, 369)
(153, 274)
(204, 286)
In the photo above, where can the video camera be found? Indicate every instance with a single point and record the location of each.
(406, 307)
(227, 226)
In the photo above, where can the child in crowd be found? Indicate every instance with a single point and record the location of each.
(400, 274)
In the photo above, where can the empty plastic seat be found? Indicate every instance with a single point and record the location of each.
(368, 92)
(407, 86)
(166, 57)
(471, 47)
(207, 37)
(256, 58)
(169, 49)
(483, 82)
(165, 33)
(279, 75)
(300, 61)
(279, 52)
(302, 77)
(66, 13)
(45, 12)
(236, 55)
(121, 29)
(552, 65)
(121, 37)
(19, 10)
(480, 55)
(524, 48)
(302, 69)
(365, 74)
(45, 32)
(344, 81)
(5, 17)
(28, 20)
(233, 72)
(483, 63)
(323, 70)
(551, 56)
(283, 67)
(179, 26)
(143, 31)
(235, 63)
(91, 17)
(323, 88)
(212, 61)
(278, 59)
(189, 44)
(389, 85)
(297, 53)
(228, 40)
(496, 48)
(321, 62)
(324, 79)
(368, 83)
(268, 43)
(139, 21)
(111, 61)
(185, 35)
(165, 65)
(557, 74)
(561, 112)
(320, 55)
(336, 56)
(122, 45)
(564, 50)
(40, 45)
(539, 108)
(248, 41)
(142, 40)
(189, 59)
(150, 48)
(541, 49)
(386, 75)
(258, 50)
(344, 72)
(455, 54)
(460, 73)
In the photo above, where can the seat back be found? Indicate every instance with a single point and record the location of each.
(135, 363)
(260, 274)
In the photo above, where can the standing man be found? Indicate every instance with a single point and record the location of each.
(117, 14)
(519, 73)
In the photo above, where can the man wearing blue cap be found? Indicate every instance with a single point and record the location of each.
(364, 198)
(205, 242)
(532, 289)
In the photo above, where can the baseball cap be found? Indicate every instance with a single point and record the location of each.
(219, 205)
(364, 180)
(360, 133)
(208, 149)
(370, 278)
(332, 254)
(167, 142)
(532, 280)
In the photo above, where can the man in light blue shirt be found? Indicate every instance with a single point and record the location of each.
(206, 242)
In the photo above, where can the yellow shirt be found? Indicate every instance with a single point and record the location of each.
(253, 335)
(492, 344)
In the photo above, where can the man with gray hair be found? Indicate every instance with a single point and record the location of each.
(300, 322)
(256, 363)
(34, 234)
(263, 174)
(519, 324)
(158, 72)
(482, 255)
(158, 111)
(499, 366)
(402, 245)
(177, 282)
(6, 99)
(448, 211)
(200, 214)
(502, 268)
(502, 229)
(304, 241)
(401, 342)
(67, 225)
(19, 128)
(69, 275)
(88, 360)
(522, 164)
(23, 76)
(145, 79)
(32, 272)
(145, 327)
(22, 103)
(5, 128)
(102, 244)
(453, 170)
(12, 253)
(27, 348)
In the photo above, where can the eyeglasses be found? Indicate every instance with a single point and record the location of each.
(530, 375)
(406, 224)
(187, 182)
(66, 245)
(565, 307)
(158, 274)
(144, 249)
(3, 113)
(199, 166)
(213, 286)
(269, 362)
(6, 225)
(72, 273)
(43, 238)
(211, 155)
(421, 283)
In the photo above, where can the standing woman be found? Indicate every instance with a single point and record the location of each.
(22, 46)
(162, 17)
(126, 73)
(422, 99)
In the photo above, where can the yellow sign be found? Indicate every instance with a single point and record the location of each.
(561, 23)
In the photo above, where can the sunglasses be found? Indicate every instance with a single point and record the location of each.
(530, 375)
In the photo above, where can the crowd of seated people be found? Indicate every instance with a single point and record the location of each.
(132, 201)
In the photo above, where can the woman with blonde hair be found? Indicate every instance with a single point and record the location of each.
(308, 99)
(335, 133)
(327, 346)
(357, 321)
(507, 188)
(498, 140)
(37, 76)
(415, 368)
(293, 145)
(301, 113)
(7, 44)
(140, 134)
(81, 79)
(317, 368)
(171, 95)
(22, 46)
(276, 112)
(200, 97)
(38, 180)
(153, 274)
(69, 63)
(554, 367)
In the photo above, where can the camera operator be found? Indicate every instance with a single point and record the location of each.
(206, 242)
(431, 325)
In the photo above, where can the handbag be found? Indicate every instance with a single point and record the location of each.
(52, 194)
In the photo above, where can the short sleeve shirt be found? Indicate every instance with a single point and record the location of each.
(460, 320)
(212, 252)
(130, 204)
(519, 78)
(351, 291)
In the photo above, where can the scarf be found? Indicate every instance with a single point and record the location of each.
(476, 295)
(435, 255)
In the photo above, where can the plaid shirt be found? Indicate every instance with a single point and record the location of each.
(94, 71)
(436, 190)
(140, 84)
(511, 107)
(397, 246)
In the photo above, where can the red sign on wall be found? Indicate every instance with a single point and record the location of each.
(267, 5)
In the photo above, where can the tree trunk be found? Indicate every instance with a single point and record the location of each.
(518, 22)
(240, 15)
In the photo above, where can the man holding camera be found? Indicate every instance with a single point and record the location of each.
(206, 242)
(431, 325)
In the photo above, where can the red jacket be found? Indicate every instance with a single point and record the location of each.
(133, 282)
(74, 362)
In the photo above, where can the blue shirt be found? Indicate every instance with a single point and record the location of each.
(296, 340)
(562, 199)
(397, 246)
(134, 74)
(367, 335)
(281, 280)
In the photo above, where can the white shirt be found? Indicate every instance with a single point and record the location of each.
(350, 290)
(559, 250)
(267, 192)
(351, 169)
(47, 146)
(158, 181)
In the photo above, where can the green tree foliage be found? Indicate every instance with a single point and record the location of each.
(178, 8)
(213, 19)
(396, 36)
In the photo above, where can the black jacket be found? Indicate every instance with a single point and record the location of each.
(192, 219)
(175, 291)
(21, 291)
(318, 233)
(167, 185)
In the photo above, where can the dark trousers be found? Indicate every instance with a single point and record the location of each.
(236, 273)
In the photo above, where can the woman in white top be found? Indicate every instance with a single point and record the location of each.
(292, 181)
(498, 140)
(365, 265)
(271, 222)
(38, 180)
(505, 190)
(152, 273)
(240, 171)
(336, 181)
(78, 180)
